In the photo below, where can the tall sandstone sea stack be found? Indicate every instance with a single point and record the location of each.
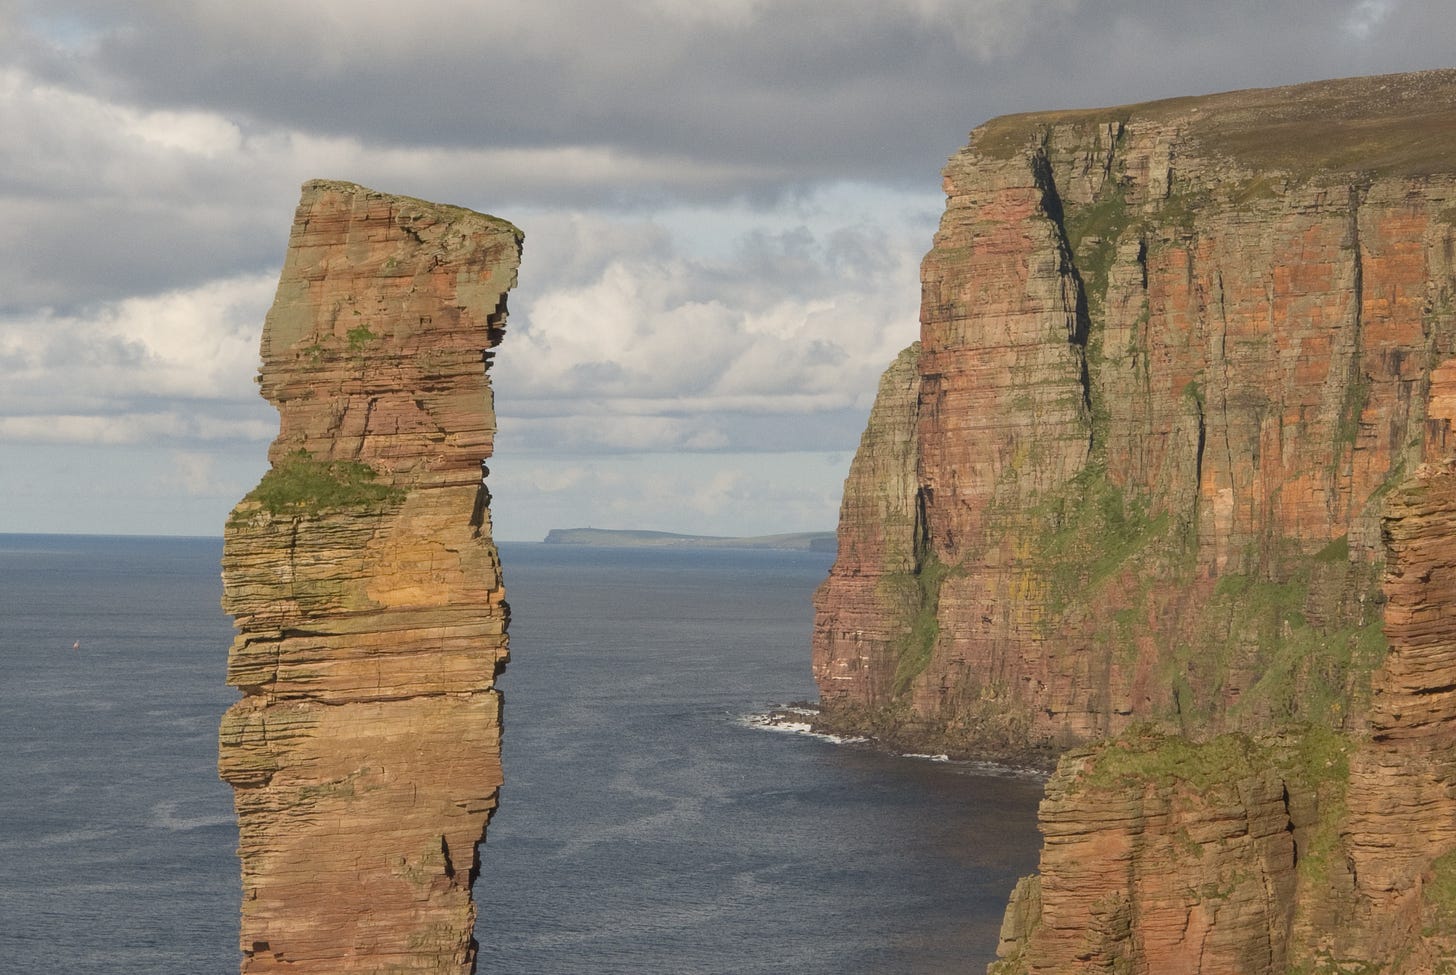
(1168, 487)
(365, 752)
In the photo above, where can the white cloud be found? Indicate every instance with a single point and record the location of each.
(174, 366)
(644, 342)
(198, 475)
(132, 428)
(198, 343)
(729, 13)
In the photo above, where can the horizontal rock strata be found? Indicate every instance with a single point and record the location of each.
(1160, 857)
(361, 575)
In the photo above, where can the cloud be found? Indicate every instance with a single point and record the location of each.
(646, 344)
(132, 428)
(152, 145)
(1366, 16)
(991, 30)
(174, 366)
(727, 97)
(725, 201)
(197, 474)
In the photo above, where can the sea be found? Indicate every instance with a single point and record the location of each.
(649, 822)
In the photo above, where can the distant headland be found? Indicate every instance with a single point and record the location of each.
(790, 541)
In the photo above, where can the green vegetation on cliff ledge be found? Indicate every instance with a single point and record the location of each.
(300, 484)
(1295, 647)
(1146, 754)
(1440, 894)
(360, 337)
(919, 594)
(1089, 532)
(1093, 232)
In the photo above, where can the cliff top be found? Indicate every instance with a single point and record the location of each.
(1385, 125)
(450, 211)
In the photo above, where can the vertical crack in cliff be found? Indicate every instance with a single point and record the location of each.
(1355, 388)
(449, 865)
(1079, 319)
(1202, 441)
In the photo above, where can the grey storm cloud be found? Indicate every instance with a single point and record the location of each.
(789, 90)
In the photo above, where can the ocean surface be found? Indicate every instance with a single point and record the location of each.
(645, 825)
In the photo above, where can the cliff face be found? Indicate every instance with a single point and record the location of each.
(1308, 850)
(877, 594)
(1185, 488)
(1173, 357)
(366, 590)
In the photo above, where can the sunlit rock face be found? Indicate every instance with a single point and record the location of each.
(1183, 501)
(366, 590)
(1173, 358)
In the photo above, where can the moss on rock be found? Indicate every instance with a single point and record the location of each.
(301, 484)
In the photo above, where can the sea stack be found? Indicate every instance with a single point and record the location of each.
(1167, 481)
(366, 590)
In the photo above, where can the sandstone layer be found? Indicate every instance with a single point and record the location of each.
(366, 590)
(1183, 507)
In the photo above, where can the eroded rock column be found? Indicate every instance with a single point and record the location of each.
(361, 575)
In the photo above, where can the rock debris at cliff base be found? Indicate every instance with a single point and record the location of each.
(367, 594)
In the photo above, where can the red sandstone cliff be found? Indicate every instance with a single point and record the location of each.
(1172, 358)
(365, 752)
(1184, 486)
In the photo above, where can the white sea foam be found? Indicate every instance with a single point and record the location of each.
(775, 721)
(778, 720)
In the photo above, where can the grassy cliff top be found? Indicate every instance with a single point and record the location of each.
(1384, 125)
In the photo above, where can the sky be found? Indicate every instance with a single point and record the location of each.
(725, 204)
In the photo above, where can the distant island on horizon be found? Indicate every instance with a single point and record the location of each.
(628, 538)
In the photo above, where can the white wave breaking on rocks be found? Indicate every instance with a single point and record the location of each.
(796, 720)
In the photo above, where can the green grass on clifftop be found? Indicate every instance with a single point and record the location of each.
(1386, 125)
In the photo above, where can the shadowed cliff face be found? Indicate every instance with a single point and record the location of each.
(1181, 447)
(365, 752)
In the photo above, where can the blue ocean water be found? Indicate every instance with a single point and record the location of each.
(644, 826)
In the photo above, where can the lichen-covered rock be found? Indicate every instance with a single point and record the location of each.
(361, 575)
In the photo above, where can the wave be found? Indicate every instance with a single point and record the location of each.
(795, 720)
(778, 720)
(164, 816)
